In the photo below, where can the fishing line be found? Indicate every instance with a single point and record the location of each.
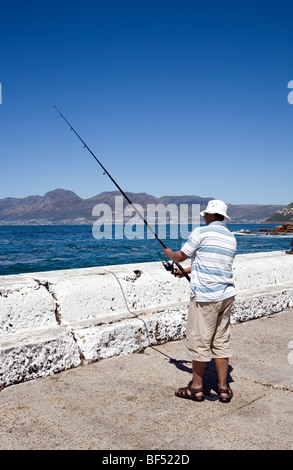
(126, 303)
(136, 315)
(122, 192)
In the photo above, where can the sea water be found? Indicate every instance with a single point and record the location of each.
(25, 249)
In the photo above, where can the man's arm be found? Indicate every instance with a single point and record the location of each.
(177, 256)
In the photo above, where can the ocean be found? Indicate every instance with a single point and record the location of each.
(25, 249)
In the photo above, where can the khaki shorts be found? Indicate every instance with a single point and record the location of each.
(208, 329)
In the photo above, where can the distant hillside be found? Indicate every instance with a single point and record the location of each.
(65, 207)
(251, 212)
(283, 215)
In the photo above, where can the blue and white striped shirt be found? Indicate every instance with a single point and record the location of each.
(212, 249)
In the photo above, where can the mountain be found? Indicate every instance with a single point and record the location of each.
(65, 207)
(55, 205)
(251, 212)
(283, 215)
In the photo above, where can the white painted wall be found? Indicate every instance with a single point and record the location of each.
(55, 320)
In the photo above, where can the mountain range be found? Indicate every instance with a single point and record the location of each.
(62, 206)
(282, 215)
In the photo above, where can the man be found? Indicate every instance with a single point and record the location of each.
(212, 250)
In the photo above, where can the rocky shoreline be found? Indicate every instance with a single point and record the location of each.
(284, 229)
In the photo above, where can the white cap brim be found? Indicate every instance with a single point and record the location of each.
(224, 215)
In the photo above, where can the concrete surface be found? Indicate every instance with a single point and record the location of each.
(128, 402)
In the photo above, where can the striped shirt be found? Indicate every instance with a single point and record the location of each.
(212, 249)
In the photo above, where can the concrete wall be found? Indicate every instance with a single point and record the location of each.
(56, 320)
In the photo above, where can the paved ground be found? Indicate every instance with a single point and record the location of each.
(128, 402)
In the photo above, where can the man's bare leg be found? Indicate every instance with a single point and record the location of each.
(222, 371)
(198, 371)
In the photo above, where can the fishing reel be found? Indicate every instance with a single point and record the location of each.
(169, 266)
(172, 267)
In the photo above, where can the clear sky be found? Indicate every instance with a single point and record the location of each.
(175, 97)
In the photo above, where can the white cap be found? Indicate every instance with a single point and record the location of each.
(216, 207)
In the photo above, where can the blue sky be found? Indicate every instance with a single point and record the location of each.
(174, 97)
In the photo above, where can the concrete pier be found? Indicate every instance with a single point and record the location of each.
(54, 321)
(127, 402)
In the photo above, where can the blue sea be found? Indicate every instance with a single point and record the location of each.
(25, 249)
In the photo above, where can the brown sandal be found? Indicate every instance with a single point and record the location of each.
(228, 392)
(182, 393)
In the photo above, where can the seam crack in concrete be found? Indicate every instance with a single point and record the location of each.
(83, 360)
(285, 388)
(47, 286)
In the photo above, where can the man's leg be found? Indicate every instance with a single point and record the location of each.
(222, 371)
(221, 346)
(198, 371)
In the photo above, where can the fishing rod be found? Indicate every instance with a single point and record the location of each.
(167, 265)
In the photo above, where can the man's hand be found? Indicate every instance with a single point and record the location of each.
(178, 273)
(177, 256)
